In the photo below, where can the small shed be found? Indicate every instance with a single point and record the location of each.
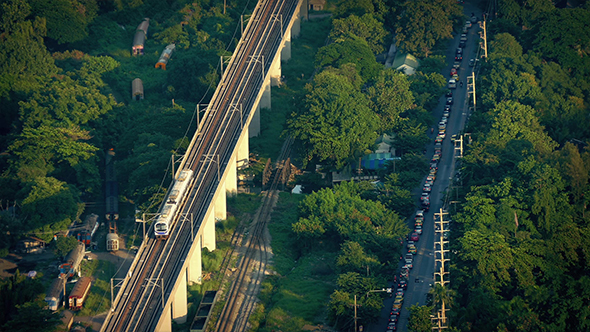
(405, 63)
(165, 56)
(137, 89)
(30, 245)
(317, 4)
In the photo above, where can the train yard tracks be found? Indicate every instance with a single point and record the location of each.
(252, 267)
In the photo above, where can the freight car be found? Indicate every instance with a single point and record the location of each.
(79, 293)
(165, 220)
(55, 294)
(72, 261)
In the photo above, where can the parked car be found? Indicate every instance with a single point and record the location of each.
(446, 113)
(448, 108)
(414, 237)
(453, 72)
(427, 188)
(456, 64)
(450, 101)
(403, 284)
(468, 24)
(471, 62)
(410, 243)
(418, 229)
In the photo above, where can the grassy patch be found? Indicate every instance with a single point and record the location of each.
(299, 293)
(243, 203)
(100, 292)
(284, 100)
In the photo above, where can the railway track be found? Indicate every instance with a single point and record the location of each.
(153, 274)
(241, 298)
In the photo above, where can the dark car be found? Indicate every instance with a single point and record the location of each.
(462, 44)
(448, 108)
(458, 57)
(449, 100)
(449, 92)
(403, 285)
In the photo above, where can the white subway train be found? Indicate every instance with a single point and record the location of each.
(165, 219)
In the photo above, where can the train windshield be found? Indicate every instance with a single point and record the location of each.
(161, 227)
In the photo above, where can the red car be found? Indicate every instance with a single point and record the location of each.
(414, 237)
(453, 72)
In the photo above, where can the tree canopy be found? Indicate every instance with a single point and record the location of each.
(336, 124)
(423, 22)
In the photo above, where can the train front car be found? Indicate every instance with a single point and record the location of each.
(165, 220)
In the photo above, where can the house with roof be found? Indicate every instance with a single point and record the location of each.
(405, 63)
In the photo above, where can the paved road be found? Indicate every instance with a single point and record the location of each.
(421, 276)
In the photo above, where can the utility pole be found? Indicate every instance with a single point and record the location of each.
(355, 316)
(440, 227)
(485, 37)
(459, 146)
(471, 88)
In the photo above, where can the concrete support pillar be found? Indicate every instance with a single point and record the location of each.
(243, 153)
(254, 126)
(165, 323)
(220, 202)
(208, 226)
(275, 72)
(304, 10)
(179, 302)
(286, 51)
(195, 265)
(265, 99)
(231, 180)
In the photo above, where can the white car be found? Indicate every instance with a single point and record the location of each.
(418, 229)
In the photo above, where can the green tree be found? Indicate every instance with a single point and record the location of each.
(365, 27)
(419, 320)
(355, 51)
(49, 206)
(442, 297)
(514, 121)
(32, 316)
(423, 23)
(336, 125)
(37, 150)
(64, 245)
(561, 36)
(15, 291)
(67, 20)
(389, 97)
(492, 256)
(25, 63)
(353, 258)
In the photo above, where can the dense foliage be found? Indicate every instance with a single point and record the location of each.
(522, 232)
(61, 110)
(367, 234)
(65, 76)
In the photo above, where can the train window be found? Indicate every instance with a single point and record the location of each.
(161, 227)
